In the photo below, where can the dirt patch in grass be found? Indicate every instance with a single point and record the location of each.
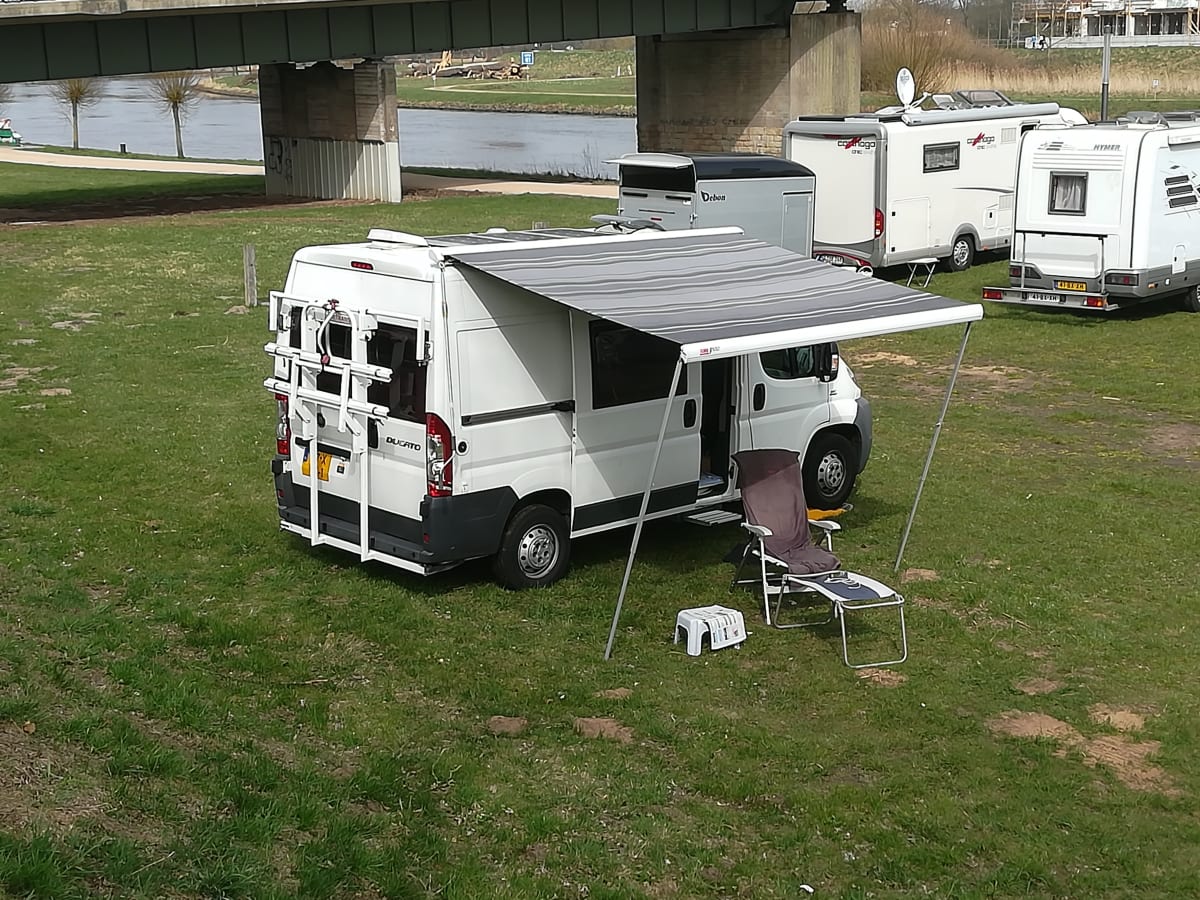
(32, 775)
(1127, 759)
(885, 677)
(1036, 686)
(610, 729)
(999, 376)
(509, 726)
(1181, 437)
(1120, 719)
(973, 618)
(866, 360)
(115, 209)
(911, 575)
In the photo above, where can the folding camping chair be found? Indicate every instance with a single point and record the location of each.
(780, 537)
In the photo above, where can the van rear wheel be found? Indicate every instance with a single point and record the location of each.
(962, 253)
(535, 549)
(829, 471)
(1191, 299)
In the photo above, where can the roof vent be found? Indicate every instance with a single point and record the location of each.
(388, 238)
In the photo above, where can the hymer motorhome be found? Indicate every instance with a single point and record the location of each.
(1108, 215)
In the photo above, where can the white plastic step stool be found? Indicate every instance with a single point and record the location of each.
(724, 627)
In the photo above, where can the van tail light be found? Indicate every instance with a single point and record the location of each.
(835, 363)
(283, 426)
(992, 294)
(879, 223)
(439, 448)
(1095, 303)
(1128, 279)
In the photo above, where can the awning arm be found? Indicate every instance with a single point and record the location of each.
(637, 529)
(937, 430)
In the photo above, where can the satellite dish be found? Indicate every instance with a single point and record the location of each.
(906, 87)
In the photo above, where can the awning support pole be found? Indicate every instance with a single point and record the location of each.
(637, 529)
(937, 430)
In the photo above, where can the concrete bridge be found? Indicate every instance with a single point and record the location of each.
(712, 74)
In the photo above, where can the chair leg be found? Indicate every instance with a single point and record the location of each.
(840, 613)
(742, 565)
(762, 560)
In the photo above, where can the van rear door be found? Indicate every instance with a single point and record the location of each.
(356, 383)
(846, 165)
(660, 190)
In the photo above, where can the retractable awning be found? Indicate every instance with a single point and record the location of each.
(716, 294)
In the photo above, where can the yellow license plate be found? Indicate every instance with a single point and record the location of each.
(1071, 285)
(324, 460)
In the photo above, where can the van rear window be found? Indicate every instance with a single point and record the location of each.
(392, 346)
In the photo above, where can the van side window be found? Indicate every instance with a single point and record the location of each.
(630, 366)
(793, 362)
(1068, 193)
(941, 157)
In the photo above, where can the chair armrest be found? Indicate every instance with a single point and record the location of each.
(827, 525)
(761, 531)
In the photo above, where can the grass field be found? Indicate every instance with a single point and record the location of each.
(193, 704)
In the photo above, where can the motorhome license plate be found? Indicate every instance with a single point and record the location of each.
(1071, 285)
(323, 462)
(1044, 298)
(830, 258)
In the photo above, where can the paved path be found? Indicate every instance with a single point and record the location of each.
(413, 182)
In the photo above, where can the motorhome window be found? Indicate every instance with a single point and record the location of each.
(653, 178)
(788, 364)
(941, 157)
(404, 395)
(630, 366)
(1068, 193)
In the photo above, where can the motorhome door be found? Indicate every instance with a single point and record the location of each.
(782, 401)
(797, 231)
(621, 378)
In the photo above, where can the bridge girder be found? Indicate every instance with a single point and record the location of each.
(127, 38)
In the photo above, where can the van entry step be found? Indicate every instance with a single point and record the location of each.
(714, 517)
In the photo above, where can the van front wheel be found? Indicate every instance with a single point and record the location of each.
(829, 471)
(962, 253)
(535, 549)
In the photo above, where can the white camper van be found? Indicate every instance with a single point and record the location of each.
(1108, 215)
(769, 198)
(447, 398)
(906, 183)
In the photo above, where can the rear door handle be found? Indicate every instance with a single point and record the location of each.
(760, 396)
(689, 413)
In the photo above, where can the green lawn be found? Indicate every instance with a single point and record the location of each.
(193, 704)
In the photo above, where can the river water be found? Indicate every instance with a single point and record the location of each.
(229, 128)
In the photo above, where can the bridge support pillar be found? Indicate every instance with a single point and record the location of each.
(330, 132)
(735, 90)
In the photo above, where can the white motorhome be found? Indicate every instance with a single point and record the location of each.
(448, 398)
(906, 183)
(769, 198)
(1107, 215)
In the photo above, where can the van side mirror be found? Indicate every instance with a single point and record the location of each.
(825, 361)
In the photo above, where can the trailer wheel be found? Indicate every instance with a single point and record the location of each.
(535, 549)
(962, 253)
(829, 471)
(1191, 299)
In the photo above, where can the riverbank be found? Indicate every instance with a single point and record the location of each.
(474, 183)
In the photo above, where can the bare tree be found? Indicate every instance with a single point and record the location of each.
(5, 92)
(77, 94)
(178, 92)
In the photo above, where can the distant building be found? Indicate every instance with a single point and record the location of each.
(1081, 23)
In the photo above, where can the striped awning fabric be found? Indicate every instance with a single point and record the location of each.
(715, 293)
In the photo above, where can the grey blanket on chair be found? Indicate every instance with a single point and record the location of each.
(773, 496)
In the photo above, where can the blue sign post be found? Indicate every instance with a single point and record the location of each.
(527, 57)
